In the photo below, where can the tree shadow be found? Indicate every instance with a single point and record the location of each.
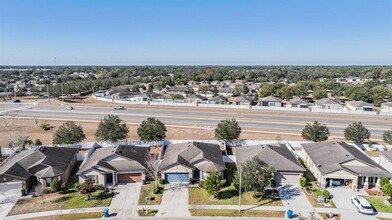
(289, 192)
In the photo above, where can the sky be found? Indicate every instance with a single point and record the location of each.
(196, 32)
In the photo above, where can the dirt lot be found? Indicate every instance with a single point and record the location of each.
(29, 126)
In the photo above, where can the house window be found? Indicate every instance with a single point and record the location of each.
(92, 178)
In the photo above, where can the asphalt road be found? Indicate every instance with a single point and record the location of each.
(288, 122)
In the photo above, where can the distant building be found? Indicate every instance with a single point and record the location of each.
(386, 107)
(328, 103)
(359, 106)
(271, 101)
(298, 103)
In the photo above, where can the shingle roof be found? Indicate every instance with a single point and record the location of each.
(135, 159)
(330, 156)
(41, 162)
(217, 99)
(195, 96)
(387, 155)
(326, 101)
(298, 101)
(358, 103)
(240, 99)
(206, 157)
(389, 104)
(271, 99)
(277, 156)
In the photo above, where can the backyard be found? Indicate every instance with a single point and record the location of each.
(229, 196)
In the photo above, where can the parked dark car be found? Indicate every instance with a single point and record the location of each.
(17, 101)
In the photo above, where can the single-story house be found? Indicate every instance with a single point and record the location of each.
(298, 103)
(288, 169)
(225, 91)
(271, 101)
(240, 100)
(191, 160)
(218, 100)
(193, 98)
(359, 106)
(386, 107)
(140, 97)
(385, 160)
(327, 103)
(178, 90)
(109, 166)
(42, 164)
(339, 163)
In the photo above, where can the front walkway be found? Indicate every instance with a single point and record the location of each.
(293, 198)
(174, 202)
(125, 200)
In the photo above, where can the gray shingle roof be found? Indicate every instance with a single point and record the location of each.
(389, 104)
(298, 101)
(217, 99)
(387, 155)
(330, 156)
(277, 156)
(326, 101)
(41, 162)
(135, 159)
(358, 103)
(271, 99)
(191, 154)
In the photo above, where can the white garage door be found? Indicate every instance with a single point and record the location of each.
(286, 179)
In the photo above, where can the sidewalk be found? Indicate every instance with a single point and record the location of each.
(54, 212)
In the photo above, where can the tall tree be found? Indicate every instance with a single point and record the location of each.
(227, 130)
(152, 129)
(387, 137)
(256, 175)
(213, 183)
(111, 129)
(69, 133)
(153, 164)
(356, 132)
(315, 132)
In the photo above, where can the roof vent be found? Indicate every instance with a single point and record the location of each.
(347, 155)
(120, 152)
(318, 165)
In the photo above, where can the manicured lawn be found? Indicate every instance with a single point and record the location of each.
(378, 203)
(56, 201)
(229, 196)
(151, 212)
(147, 191)
(86, 215)
(235, 213)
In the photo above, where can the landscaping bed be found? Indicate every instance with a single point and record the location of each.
(147, 191)
(379, 204)
(86, 215)
(326, 215)
(229, 196)
(56, 201)
(151, 212)
(236, 213)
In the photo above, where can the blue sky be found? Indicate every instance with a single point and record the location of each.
(225, 32)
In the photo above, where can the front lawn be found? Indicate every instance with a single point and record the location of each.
(326, 215)
(146, 191)
(56, 201)
(236, 213)
(378, 203)
(150, 212)
(229, 196)
(86, 215)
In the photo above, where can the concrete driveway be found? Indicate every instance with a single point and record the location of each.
(341, 196)
(174, 202)
(9, 195)
(125, 200)
(293, 198)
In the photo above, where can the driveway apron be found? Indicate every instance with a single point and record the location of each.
(174, 202)
(125, 200)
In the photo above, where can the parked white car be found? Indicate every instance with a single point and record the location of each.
(362, 205)
(119, 107)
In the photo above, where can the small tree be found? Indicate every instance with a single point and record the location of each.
(315, 132)
(387, 189)
(55, 185)
(37, 142)
(69, 133)
(44, 126)
(302, 181)
(153, 164)
(227, 130)
(87, 188)
(256, 175)
(356, 132)
(213, 184)
(19, 141)
(387, 137)
(111, 129)
(384, 181)
(151, 129)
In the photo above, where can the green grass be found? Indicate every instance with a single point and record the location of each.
(98, 199)
(86, 215)
(378, 203)
(236, 213)
(229, 196)
(150, 212)
(147, 190)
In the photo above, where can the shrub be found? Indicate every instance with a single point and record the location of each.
(302, 181)
(273, 183)
(387, 189)
(213, 183)
(44, 126)
(161, 181)
(223, 182)
(99, 187)
(45, 191)
(156, 190)
(37, 142)
(77, 186)
(144, 182)
(384, 181)
(23, 192)
(55, 185)
(326, 194)
(201, 184)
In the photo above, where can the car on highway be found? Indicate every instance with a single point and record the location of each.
(363, 206)
(70, 108)
(119, 107)
(17, 101)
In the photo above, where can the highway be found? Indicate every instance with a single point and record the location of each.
(253, 120)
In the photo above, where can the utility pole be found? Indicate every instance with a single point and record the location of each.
(239, 191)
(47, 92)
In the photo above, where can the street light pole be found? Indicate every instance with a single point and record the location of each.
(239, 191)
